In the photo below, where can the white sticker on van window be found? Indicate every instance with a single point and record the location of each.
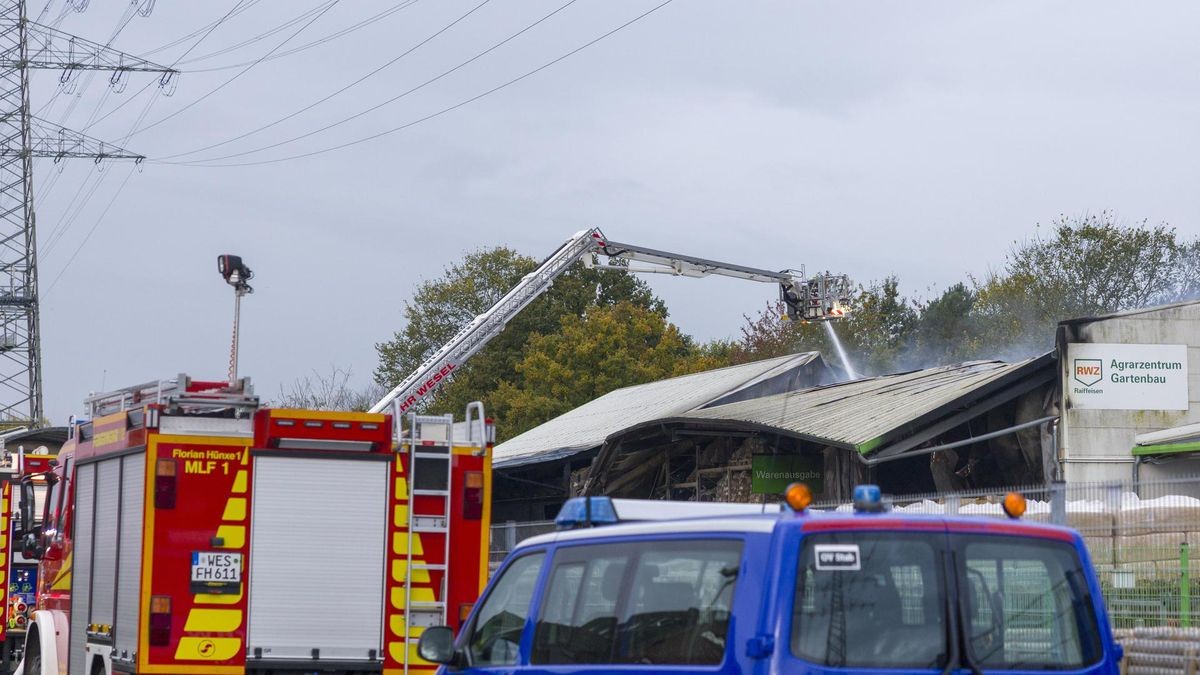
(837, 557)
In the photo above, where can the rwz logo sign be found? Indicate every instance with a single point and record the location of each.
(1089, 371)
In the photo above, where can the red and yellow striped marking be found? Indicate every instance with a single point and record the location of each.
(202, 622)
(210, 638)
(400, 640)
(6, 501)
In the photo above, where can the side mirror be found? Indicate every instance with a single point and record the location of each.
(31, 545)
(437, 645)
(27, 502)
(31, 536)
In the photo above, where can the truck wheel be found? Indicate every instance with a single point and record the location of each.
(33, 659)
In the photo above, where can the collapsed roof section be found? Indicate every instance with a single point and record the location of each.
(1001, 410)
(882, 415)
(586, 427)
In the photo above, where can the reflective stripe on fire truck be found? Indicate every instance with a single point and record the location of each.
(400, 643)
(6, 501)
(192, 650)
(207, 620)
(62, 580)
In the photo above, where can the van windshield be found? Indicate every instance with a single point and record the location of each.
(882, 600)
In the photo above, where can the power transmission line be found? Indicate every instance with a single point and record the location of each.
(53, 234)
(25, 138)
(45, 10)
(399, 96)
(72, 212)
(256, 39)
(315, 43)
(91, 231)
(328, 6)
(141, 8)
(208, 27)
(206, 32)
(426, 118)
(447, 109)
(310, 106)
(69, 219)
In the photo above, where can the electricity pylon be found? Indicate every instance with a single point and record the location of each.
(25, 45)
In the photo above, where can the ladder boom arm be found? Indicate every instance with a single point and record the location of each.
(690, 266)
(587, 245)
(484, 327)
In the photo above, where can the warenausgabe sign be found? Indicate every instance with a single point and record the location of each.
(771, 474)
(1127, 377)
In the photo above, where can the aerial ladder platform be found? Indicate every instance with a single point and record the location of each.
(820, 298)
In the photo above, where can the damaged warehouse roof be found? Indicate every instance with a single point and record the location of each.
(892, 412)
(586, 427)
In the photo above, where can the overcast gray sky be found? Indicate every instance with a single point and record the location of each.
(867, 138)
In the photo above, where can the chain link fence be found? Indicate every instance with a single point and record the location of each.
(1141, 537)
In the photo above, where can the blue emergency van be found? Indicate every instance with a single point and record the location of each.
(723, 588)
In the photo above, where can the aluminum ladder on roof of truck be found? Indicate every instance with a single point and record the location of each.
(173, 392)
(431, 459)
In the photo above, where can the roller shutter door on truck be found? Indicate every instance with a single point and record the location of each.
(317, 546)
(107, 553)
(81, 577)
(129, 555)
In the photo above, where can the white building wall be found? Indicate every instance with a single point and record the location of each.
(1096, 445)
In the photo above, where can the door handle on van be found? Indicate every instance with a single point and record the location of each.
(760, 646)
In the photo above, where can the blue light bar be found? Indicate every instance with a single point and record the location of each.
(868, 498)
(575, 513)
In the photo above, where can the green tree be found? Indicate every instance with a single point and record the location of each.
(769, 334)
(440, 307)
(1087, 265)
(947, 329)
(1188, 278)
(874, 332)
(878, 328)
(588, 356)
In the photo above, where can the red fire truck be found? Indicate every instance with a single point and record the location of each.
(189, 530)
(18, 575)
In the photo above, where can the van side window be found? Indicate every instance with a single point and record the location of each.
(496, 635)
(661, 602)
(579, 614)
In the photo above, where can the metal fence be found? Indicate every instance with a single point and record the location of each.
(505, 536)
(1141, 537)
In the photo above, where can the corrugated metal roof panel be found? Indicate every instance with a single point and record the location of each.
(587, 426)
(1187, 432)
(856, 415)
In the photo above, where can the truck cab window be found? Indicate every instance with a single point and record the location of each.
(496, 635)
(50, 506)
(63, 522)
